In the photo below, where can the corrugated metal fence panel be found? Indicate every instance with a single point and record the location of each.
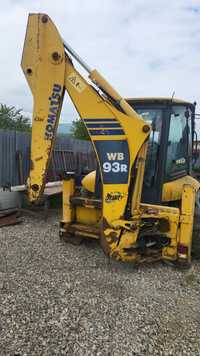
(23, 143)
(85, 162)
(14, 143)
(8, 172)
(68, 143)
(62, 161)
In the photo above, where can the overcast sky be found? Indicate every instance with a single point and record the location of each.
(143, 47)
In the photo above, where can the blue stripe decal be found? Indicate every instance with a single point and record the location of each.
(106, 132)
(99, 120)
(103, 125)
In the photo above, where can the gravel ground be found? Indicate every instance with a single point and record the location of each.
(60, 299)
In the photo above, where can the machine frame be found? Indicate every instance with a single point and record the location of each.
(128, 229)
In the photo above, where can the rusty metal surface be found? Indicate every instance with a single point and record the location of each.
(9, 217)
(85, 201)
(14, 144)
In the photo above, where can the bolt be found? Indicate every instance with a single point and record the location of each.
(55, 56)
(44, 18)
(145, 128)
(35, 187)
(29, 71)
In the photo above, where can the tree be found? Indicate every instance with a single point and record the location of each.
(13, 119)
(79, 130)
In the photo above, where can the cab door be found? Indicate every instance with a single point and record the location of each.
(158, 117)
(179, 150)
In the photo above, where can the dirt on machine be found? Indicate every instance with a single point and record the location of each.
(140, 202)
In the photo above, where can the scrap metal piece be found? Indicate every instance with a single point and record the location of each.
(9, 217)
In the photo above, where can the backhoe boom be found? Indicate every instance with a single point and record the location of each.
(119, 137)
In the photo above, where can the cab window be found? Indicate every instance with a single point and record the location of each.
(178, 142)
(154, 117)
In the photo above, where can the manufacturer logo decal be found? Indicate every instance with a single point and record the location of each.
(113, 196)
(53, 110)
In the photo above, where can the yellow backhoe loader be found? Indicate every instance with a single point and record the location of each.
(138, 214)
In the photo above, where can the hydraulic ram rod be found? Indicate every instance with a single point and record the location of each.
(101, 82)
(76, 56)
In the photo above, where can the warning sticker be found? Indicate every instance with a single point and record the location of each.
(76, 82)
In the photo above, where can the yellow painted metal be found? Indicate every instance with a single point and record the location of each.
(45, 76)
(173, 190)
(50, 71)
(88, 182)
(91, 105)
(88, 216)
(130, 237)
(186, 222)
(170, 214)
(98, 79)
(44, 53)
(68, 191)
(136, 198)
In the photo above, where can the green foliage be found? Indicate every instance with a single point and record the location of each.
(79, 130)
(13, 119)
(196, 168)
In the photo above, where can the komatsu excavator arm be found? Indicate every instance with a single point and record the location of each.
(49, 71)
(118, 134)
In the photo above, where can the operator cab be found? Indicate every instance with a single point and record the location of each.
(169, 154)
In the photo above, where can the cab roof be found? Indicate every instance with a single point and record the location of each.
(158, 101)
